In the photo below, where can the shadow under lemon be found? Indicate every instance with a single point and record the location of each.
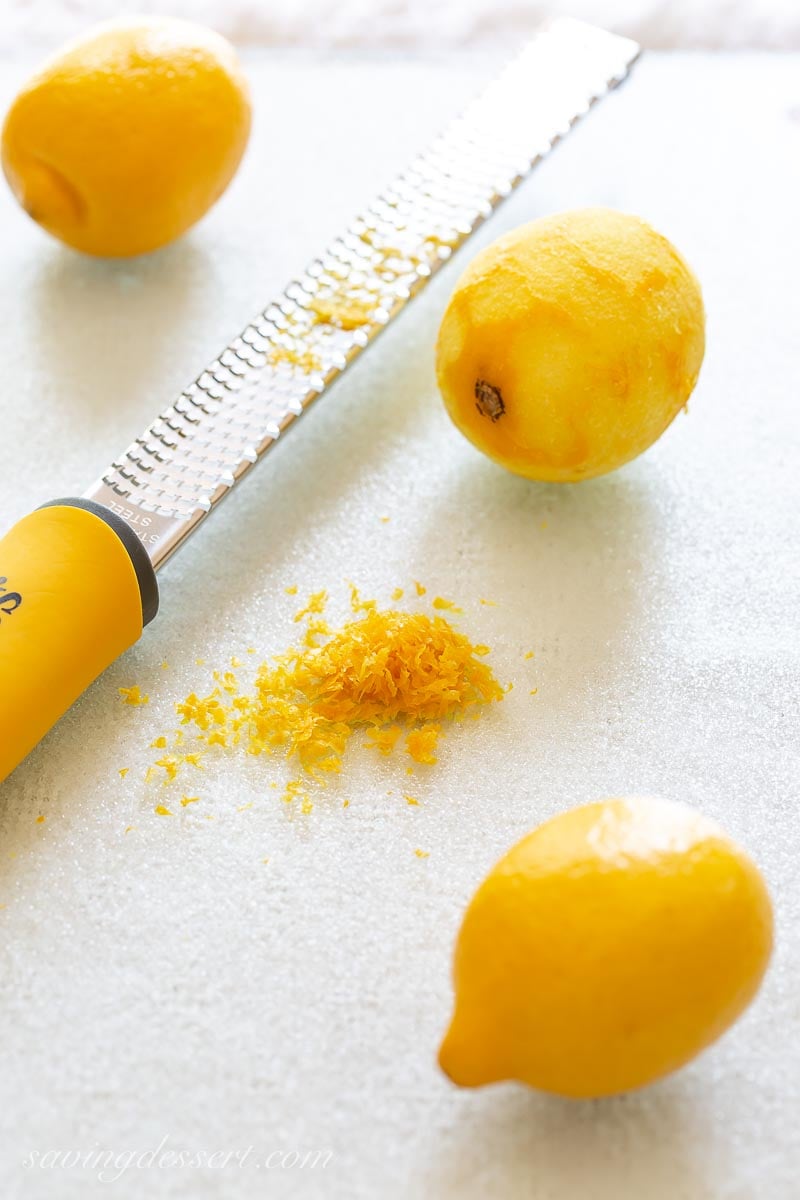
(118, 339)
(653, 1143)
(573, 570)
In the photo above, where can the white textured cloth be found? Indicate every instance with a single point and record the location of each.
(419, 24)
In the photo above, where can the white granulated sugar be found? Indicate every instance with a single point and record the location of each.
(167, 981)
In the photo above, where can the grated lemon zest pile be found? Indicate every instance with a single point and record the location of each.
(315, 629)
(421, 743)
(384, 740)
(381, 671)
(133, 695)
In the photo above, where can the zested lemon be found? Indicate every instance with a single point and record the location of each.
(570, 344)
(605, 950)
(125, 138)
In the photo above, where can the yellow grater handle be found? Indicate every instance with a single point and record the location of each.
(76, 589)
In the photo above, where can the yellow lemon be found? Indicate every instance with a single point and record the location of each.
(605, 950)
(125, 138)
(570, 344)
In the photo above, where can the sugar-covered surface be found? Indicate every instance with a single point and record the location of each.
(158, 977)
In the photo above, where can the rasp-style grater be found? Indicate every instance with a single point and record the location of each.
(77, 577)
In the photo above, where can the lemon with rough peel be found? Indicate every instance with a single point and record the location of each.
(605, 950)
(127, 136)
(570, 344)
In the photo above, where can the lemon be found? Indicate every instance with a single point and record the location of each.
(124, 139)
(605, 950)
(570, 344)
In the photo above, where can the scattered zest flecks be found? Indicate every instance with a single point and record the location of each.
(382, 672)
(400, 678)
(392, 674)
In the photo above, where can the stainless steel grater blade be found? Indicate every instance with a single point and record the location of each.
(191, 456)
